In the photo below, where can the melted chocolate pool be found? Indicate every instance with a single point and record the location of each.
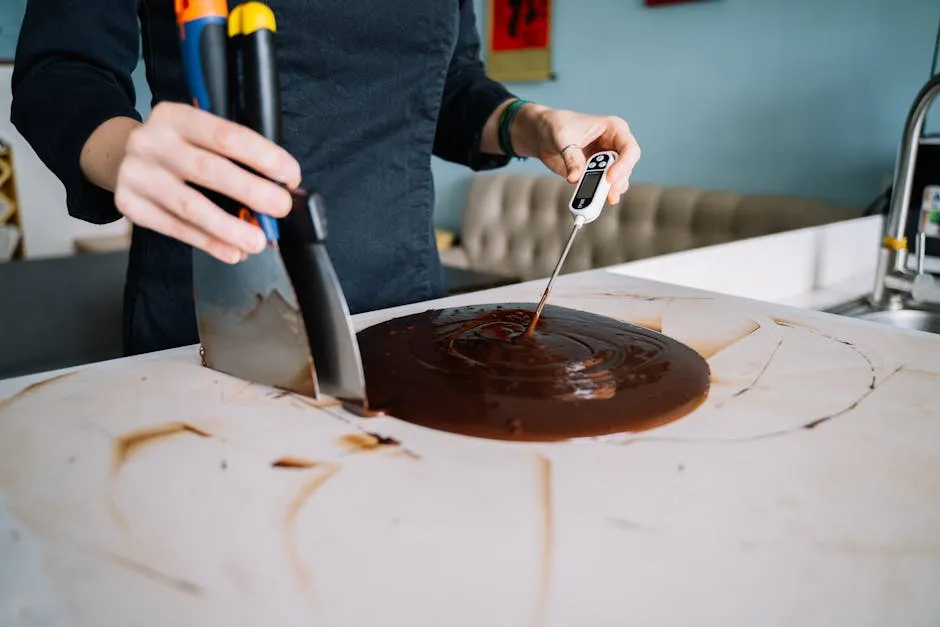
(474, 371)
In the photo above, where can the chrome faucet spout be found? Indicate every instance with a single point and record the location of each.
(892, 263)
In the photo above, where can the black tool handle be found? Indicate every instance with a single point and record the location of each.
(261, 85)
(306, 222)
(253, 64)
(204, 51)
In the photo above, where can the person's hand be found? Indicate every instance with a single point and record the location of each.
(180, 143)
(564, 140)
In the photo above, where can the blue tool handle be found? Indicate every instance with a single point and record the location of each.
(204, 52)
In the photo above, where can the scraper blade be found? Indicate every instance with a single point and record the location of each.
(332, 338)
(250, 323)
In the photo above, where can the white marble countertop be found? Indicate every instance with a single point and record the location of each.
(804, 491)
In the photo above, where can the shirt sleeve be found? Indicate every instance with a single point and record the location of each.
(469, 99)
(72, 72)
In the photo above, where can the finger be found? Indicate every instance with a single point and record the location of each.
(144, 212)
(237, 142)
(573, 157)
(622, 184)
(626, 146)
(617, 190)
(165, 190)
(556, 164)
(217, 173)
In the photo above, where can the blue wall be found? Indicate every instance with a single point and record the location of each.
(11, 15)
(800, 97)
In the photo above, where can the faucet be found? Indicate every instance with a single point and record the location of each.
(894, 282)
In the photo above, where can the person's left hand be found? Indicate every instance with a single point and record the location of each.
(563, 141)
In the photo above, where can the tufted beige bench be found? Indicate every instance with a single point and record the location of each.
(516, 224)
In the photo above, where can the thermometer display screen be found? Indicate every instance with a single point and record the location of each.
(589, 185)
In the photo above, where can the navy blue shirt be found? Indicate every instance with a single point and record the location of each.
(370, 90)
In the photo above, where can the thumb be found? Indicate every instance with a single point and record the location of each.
(574, 161)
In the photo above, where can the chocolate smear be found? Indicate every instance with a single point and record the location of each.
(474, 371)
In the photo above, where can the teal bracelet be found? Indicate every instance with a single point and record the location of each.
(505, 120)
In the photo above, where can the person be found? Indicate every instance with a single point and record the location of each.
(370, 91)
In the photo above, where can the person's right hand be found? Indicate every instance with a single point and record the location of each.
(180, 143)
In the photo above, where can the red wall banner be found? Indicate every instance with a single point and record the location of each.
(519, 40)
(656, 3)
(520, 24)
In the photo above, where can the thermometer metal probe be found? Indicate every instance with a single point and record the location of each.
(587, 202)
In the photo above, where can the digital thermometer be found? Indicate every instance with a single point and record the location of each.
(589, 199)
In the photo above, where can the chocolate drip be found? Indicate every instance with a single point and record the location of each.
(475, 371)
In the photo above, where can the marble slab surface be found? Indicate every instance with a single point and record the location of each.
(804, 491)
